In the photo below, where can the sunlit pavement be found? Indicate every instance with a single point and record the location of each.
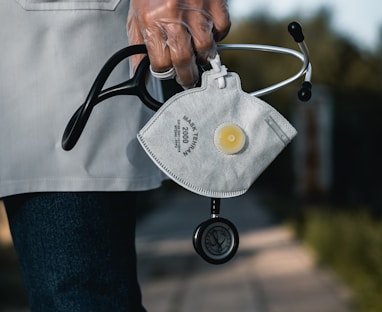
(271, 272)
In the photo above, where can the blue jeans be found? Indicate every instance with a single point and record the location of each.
(77, 250)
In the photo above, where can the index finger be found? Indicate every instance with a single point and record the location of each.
(220, 19)
(134, 36)
(182, 55)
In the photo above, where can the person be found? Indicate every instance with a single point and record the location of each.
(70, 213)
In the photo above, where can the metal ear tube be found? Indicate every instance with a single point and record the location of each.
(305, 70)
(295, 30)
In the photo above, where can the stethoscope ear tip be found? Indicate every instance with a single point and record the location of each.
(295, 30)
(305, 92)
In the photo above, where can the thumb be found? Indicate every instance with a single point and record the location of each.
(134, 37)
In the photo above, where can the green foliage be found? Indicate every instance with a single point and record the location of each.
(337, 62)
(353, 77)
(347, 240)
(351, 243)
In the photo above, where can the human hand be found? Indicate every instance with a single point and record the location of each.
(178, 34)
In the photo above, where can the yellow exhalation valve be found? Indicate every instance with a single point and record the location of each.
(229, 139)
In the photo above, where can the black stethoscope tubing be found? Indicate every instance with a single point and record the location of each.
(137, 84)
(134, 86)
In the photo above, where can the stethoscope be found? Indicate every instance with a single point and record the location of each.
(215, 240)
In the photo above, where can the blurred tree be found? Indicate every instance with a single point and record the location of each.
(354, 78)
(337, 61)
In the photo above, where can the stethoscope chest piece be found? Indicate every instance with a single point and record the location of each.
(216, 240)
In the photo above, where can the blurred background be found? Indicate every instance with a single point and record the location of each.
(327, 185)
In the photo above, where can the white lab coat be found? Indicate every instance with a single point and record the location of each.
(50, 54)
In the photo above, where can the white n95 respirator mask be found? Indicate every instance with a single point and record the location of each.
(215, 140)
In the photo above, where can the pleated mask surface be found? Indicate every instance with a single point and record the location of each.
(215, 140)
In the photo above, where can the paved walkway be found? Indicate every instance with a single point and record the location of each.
(270, 273)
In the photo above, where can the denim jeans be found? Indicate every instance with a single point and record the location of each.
(77, 250)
